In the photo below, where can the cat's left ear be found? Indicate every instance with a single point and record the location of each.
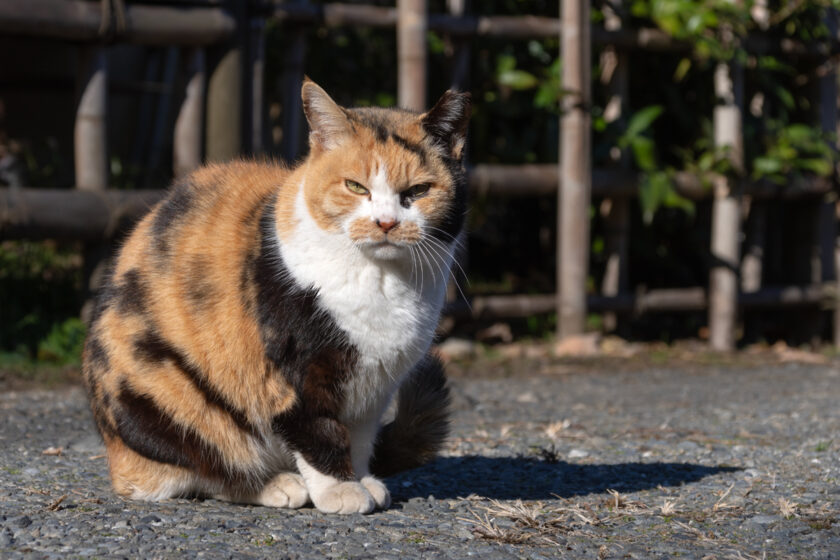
(328, 124)
(447, 122)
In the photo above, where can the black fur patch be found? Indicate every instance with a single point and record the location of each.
(417, 149)
(150, 347)
(171, 210)
(201, 292)
(96, 357)
(131, 293)
(303, 342)
(145, 428)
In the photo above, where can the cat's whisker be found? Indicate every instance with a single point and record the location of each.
(449, 235)
(453, 278)
(439, 260)
(443, 246)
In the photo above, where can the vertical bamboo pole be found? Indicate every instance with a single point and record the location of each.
(189, 124)
(291, 80)
(90, 131)
(575, 170)
(461, 49)
(90, 138)
(226, 128)
(224, 106)
(162, 118)
(256, 50)
(615, 211)
(726, 213)
(829, 244)
(411, 54)
(752, 265)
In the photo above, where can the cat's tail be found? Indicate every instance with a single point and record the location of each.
(421, 424)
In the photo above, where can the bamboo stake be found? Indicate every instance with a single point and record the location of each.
(411, 54)
(726, 214)
(752, 265)
(256, 50)
(291, 80)
(461, 49)
(90, 132)
(90, 138)
(190, 121)
(575, 170)
(829, 238)
(616, 211)
(224, 105)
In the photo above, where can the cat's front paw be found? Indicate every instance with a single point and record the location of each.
(286, 490)
(344, 497)
(378, 491)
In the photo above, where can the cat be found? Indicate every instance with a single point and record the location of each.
(259, 320)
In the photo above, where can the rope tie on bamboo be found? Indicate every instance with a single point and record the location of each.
(112, 22)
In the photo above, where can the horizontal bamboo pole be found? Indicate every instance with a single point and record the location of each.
(80, 20)
(542, 180)
(522, 27)
(71, 214)
(46, 213)
(654, 301)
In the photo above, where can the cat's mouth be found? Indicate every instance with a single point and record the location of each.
(384, 249)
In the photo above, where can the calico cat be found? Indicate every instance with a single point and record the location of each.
(258, 321)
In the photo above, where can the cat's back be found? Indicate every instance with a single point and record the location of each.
(175, 321)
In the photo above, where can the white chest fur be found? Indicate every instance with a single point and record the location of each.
(386, 309)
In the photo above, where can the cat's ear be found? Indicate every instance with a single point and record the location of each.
(328, 124)
(446, 122)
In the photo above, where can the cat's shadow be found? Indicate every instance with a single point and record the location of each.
(509, 478)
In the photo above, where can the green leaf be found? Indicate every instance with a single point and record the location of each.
(644, 153)
(517, 79)
(819, 166)
(765, 165)
(641, 120)
(682, 69)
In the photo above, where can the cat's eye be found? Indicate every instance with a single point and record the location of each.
(355, 187)
(417, 191)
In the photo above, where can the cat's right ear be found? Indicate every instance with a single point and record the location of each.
(328, 124)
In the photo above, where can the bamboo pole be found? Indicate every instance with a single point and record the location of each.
(189, 124)
(162, 116)
(460, 49)
(291, 80)
(615, 211)
(90, 135)
(752, 265)
(828, 235)
(411, 54)
(90, 147)
(575, 170)
(256, 53)
(78, 215)
(668, 300)
(224, 137)
(726, 213)
(79, 20)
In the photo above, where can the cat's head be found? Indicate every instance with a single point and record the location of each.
(388, 179)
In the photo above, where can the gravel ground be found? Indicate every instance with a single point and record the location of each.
(695, 462)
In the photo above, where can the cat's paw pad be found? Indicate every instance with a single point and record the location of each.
(378, 491)
(344, 497)
(286, 490)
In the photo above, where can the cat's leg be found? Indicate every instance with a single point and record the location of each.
(137, 477)
(362, 439)
(331, 494)
(285, 490)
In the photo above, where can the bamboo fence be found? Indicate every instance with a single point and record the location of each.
(221, 116)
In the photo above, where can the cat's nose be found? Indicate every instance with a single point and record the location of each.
(387, 225)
